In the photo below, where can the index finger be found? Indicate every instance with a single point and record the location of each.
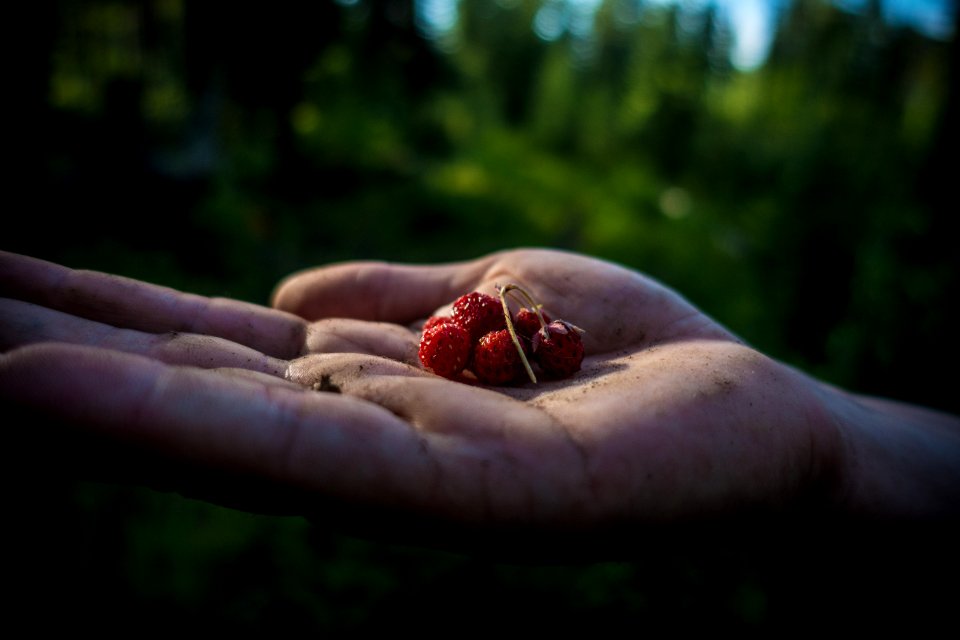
(131, 304)
(377, 290)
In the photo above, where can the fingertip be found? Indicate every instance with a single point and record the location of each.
(284, 295)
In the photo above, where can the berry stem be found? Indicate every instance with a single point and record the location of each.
(534, 305)
(513, 334)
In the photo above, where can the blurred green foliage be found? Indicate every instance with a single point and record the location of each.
(217, 146)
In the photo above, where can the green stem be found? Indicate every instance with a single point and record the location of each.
(513, 334)
(534, 305)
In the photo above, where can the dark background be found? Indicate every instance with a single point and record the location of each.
(217, 146)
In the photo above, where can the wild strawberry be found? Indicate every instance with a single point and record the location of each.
(558, 349)
(479, 314)
(496, 359)
(526, 322)
(497, 347)
(433, 321)
(445, 349)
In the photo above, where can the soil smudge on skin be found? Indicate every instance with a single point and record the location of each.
(326, 385)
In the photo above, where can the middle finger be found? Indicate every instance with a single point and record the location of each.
(23, 323)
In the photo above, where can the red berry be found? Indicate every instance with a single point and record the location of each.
(445, 349)
(479, 314)
(526, 322)
(496, 359)
(433, 321)
(558, 349)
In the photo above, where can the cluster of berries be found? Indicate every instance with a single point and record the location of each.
(481, 336)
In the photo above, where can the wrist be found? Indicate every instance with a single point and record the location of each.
(894, 460)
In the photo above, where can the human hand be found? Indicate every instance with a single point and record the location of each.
(207, 383)
(671, 419)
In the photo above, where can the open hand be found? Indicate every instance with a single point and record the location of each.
(670, 418)
(320, 407)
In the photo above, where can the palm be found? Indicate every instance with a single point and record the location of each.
(670, 415)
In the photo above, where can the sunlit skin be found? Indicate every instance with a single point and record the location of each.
(321, 403)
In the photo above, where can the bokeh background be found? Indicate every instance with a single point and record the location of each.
(783, 164)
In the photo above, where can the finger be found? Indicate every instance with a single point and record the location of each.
(339, 335)
(329, 445)
(428, 401)
(258, 376)
(377, 291)
(22, 323)
(127, 303)
(317, 370)
(617, 307)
